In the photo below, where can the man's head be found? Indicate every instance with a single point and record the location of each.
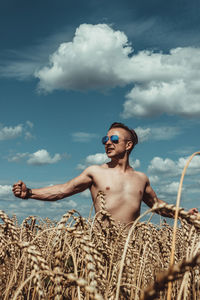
(120, 139)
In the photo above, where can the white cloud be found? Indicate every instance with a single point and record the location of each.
(153, 179)
(194, 166)
(23, 204)
(143, 133)
(66, 204)
(42, 157)
(99, 57)
(157, 133)
(6, 192)
(135, 164)
(165, 83)
(83, 136)
(171, 188)
(81, 167)
(159, 165)
(17, 157)
(7, 133)
(168, 191)
(101, 158)
(13, 132)
(71, 203)
(62, 206)
(92, 60)
(157, 98)
(169, 167)
(86, 194)
(94, 159)
(165, 132)
(5, 189)
(98, 158)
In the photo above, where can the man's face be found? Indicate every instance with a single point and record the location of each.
(116, 149)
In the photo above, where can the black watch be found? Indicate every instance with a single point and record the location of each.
(28, 194)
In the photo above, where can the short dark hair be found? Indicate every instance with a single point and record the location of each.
(133, 134)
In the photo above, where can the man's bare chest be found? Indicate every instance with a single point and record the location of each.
(115, 182)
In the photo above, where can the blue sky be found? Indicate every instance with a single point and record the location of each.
(68, 69)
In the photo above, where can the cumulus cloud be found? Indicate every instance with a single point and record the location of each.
(38, 158)
(6, 192)
(83, 136)
(157, 98)
(94, 159)
(42, 157)
(157, 133)
(171, 188)
(143, 133)
(86, 194)
(92, 60)
(17, 157)
(154, 179)
(71, 203)
(99, 57)
(169, 167)
(167, 83)
(67, 203)
(7, 133)
(159, 165)
(13, 132)
(135, 164)
(101, 158)
(165, 132)
(194, 166)
(98, 158)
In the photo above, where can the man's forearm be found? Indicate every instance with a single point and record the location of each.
(164, 212)
(51, 193)
(55, 192)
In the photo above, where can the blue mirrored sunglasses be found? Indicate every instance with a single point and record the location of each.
(114, 139)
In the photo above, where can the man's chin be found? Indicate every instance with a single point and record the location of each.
(110, 154)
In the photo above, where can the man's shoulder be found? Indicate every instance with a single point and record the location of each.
(141, 175)
(94, 168)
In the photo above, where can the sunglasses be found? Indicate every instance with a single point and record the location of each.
(114, 139)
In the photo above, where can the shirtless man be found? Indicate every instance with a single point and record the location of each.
(124, 187)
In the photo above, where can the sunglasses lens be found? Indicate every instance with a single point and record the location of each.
(114, 139)
(105, 139)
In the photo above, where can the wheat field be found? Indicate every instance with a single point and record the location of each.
(84, 258)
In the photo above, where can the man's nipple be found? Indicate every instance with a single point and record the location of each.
(107, 188)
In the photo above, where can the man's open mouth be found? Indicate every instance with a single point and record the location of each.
(109, 149)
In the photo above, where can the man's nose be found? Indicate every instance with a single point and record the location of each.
(108, 142)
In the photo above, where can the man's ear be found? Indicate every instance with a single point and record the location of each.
(129, 145)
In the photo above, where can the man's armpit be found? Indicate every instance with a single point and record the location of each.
(149, 196)
(148, 200)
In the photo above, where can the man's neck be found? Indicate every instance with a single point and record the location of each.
(120, 163)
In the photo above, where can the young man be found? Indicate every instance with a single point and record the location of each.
(124, 187)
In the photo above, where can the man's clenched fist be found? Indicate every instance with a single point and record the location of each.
(20, 190)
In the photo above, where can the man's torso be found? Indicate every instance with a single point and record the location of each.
(123, 191)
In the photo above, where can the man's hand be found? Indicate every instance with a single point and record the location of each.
(193, 211)
(20, 190)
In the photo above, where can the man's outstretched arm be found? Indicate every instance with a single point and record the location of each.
(150, 198)
(55, 192)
